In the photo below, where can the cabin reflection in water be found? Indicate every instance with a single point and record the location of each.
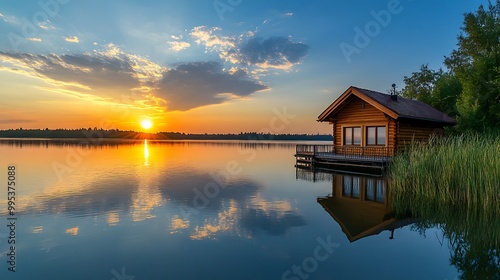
(361, 205)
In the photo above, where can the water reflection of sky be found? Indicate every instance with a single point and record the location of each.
(183, 210)
(208, 202)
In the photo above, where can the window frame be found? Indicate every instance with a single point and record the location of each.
(352, 128)
(376, 135)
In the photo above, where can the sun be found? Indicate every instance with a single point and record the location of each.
(146, 124)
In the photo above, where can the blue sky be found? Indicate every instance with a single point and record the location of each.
(209, 66)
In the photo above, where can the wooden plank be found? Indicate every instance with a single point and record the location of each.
(413, 132)
(353, 111)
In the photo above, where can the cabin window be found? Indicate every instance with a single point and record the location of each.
(352, 135)
(375, 135)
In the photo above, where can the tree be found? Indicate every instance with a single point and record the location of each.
(476, 63)
(436, 88)
(420, 84)
(445, 94)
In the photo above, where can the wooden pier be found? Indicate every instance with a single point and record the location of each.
(355, 159)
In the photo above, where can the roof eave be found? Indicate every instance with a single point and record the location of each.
(442, 122)
(323, 116)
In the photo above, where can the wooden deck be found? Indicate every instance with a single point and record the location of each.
(342, 157)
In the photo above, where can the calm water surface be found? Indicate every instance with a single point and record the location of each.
(203, 210)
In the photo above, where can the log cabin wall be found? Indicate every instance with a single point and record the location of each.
(409, 132)
(353, 114)
(392, 136)
(333, 122)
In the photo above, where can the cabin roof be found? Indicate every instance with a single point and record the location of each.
(402, 108)
(359, 219)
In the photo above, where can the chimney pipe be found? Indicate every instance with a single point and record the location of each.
(394, 95)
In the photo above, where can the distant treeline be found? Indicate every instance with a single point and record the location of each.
(121, 134)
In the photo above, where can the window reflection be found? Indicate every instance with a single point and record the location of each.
(380, 192)
(370, 189)
(375, 190)
(351, 186)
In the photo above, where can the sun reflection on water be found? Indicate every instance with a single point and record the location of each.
(146, 153)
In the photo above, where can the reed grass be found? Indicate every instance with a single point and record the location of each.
(459, 170)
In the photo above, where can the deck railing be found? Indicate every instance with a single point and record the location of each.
(314, 149)
(312, 176)
(349, 152)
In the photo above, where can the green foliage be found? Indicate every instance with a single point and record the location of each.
(445, 94)
(476, 63)
(420, 85)
(461, 170)
(453, 184)
(436, 88)
(470, 89)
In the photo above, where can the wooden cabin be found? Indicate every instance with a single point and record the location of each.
(371, 123)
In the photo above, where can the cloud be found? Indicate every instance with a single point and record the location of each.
(274, 217)
(72, 231)
(10, 19)
(206, 36)
(91, 199)
(197, 84)
(274, 223)
(238, 209)
(46, 25)
(274, 52)
(71, 39)
(110, 71)
(86, 71)
(34, 39)
(179, 46)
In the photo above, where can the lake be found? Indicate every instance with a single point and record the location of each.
(205, 210)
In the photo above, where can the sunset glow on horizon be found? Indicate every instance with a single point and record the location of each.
(195, 67)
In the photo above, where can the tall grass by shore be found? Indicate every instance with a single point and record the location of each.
(458, 170)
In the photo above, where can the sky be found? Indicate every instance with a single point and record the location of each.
(209, 66)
